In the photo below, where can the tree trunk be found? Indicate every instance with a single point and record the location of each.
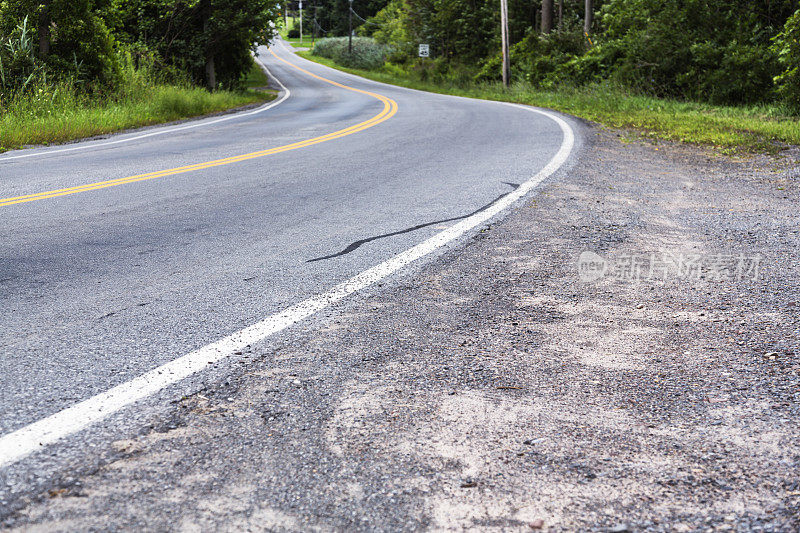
(588, 17)
(547, 16)
(44, 29)
(560, 15)
(211, 71)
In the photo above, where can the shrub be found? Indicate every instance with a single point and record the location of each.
(538, 58)
(710, 50)
(787, 47)
(294, 33)
(367, 54)
(20, 67)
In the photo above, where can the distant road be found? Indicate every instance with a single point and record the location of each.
(121, 255)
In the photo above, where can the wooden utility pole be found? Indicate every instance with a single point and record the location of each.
(350, 33)
(504, 38)
(547, 16)
(588, 16)
(560, 14)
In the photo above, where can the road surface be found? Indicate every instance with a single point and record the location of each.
(102, 281)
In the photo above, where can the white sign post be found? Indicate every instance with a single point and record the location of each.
(424, 50)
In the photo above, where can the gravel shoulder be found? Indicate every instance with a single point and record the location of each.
(496, 391)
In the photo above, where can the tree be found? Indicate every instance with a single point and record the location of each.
(44, 28)
(72, 37)
(547, 16)
(209, 40)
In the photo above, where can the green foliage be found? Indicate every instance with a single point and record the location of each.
(186, 35)
(461, 31)
(58, 111)
(709, 50)
(80, 44)
(787, 47)
(332, 15)
(367, 52)
(728, 129)
(539, 59)
(716, 51)
(19, 65)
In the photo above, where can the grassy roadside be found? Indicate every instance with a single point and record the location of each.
(306, 42)
(728, 129)
(59, 114)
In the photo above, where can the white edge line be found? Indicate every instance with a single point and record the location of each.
(27, 440)
(200, 123)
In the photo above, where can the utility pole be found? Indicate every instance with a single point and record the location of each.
(504, 38)
(560, 14)
(350, 34)
(588, 16)
(301, 22)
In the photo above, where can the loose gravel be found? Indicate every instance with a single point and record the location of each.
(496, 391)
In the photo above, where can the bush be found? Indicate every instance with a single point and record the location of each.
(294, 33)
(787, 47)
(537, 59)
(20, 67)
(709, 50)
(368, 54)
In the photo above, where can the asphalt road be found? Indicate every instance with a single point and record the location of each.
(101, 286)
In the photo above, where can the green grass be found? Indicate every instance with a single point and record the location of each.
(308, 38)
(256, 79)
(56, 114)
(728, 129)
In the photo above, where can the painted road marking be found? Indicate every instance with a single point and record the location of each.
(161, 131)
(27, 440)
(388, 111)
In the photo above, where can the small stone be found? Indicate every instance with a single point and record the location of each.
(619, 528)
(536, 524)
(640, 306)
(126, 446)
(296, 382)
(771, 355)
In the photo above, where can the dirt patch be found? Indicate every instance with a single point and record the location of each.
(497, 391)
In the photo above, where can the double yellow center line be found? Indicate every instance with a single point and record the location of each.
(389, 109)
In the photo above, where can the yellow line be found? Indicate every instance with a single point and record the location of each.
(389, 109)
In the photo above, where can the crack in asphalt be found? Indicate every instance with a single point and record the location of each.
(357, 244)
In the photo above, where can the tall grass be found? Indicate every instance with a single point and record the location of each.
(728, 128)
(366, 54)
(54, 112)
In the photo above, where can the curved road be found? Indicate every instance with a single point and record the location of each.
(103, 285)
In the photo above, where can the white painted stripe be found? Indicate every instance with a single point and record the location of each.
(199, 124)
(22, 442)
